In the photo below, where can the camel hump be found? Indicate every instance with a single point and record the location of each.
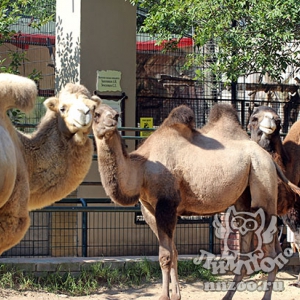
(219, 111)
(17, 92)
(181, 115)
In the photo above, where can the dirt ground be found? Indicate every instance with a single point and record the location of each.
(189, 291)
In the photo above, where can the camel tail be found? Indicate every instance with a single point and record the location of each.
(292, 186)
(17, 92)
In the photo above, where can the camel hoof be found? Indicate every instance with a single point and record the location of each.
(164, 298)
(226, 297)
(175, 297)
(296, 284)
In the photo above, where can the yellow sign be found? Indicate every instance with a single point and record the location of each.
(146, 123)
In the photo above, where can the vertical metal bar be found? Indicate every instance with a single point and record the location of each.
(84, 229)
(243, 119)
(211, 235)
(234, 83)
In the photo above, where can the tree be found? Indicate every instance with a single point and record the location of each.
(259, 36)
(40, 11)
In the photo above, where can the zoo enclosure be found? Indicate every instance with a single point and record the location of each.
(95, 227)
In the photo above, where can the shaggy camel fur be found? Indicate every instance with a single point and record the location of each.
(264, 126)
(45, 166)
(181, 171)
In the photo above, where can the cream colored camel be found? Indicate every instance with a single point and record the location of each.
(181, 171)
(43, 167)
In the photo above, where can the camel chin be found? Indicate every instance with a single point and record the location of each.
(267, 130)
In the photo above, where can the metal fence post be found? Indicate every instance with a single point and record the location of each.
(84, 229)
(211, 235)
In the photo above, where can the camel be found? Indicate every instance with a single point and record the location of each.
(40, 168)
(183, 171)
(265, 126)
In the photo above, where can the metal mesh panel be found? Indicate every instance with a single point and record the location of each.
(164, 81)
(58, 234)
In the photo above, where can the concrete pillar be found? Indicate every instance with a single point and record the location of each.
(97, 35)
(91, 36)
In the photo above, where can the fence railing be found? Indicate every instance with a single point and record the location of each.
(96, 227)
(88, 227)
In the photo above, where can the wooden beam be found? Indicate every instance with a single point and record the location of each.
(267, 87)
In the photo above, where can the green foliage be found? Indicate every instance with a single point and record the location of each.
(249, 36)
(90, 280)
(191, 272)
(15, 115)
(43, 11)
(11, 11)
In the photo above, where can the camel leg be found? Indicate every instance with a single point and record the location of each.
(163, 226)
(14, 216)
(243, 204)
(271, 251)
(174, 276)
(245, 247)
(297, 245)
(166, 219)
(298, 282)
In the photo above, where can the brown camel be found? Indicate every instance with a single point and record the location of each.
(181, 171)
(264, 126)
(40, 168)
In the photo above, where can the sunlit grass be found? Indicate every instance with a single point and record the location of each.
(97, 276)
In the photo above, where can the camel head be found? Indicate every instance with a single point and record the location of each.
(74, 107)
(105, 121)
(264, 123)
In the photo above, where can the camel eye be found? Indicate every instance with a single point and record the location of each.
(62, 109)
(116, 117)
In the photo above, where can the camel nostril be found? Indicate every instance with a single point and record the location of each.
(87, 112)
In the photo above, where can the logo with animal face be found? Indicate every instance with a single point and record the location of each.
(254, 231)
(245, 223)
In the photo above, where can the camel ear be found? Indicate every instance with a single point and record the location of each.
(51, 103)
(96, 99)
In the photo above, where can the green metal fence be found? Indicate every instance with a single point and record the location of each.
(97, 227)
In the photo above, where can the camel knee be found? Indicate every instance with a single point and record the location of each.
(165, 261)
